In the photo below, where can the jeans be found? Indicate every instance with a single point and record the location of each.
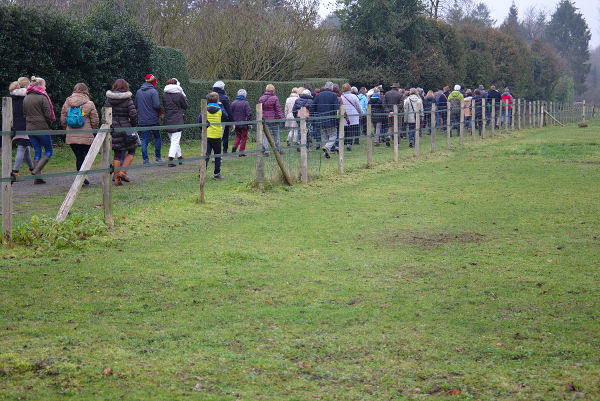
(378, 131)
(39, 141)
(509, 113)
(175, 149)
(412, 128)
(329, 134)
(22, 154)
(146, 139)
(274, 130)
(214, 145)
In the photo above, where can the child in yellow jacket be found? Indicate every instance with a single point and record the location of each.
(215, 114)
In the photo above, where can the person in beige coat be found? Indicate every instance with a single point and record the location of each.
(292, 125)
(80, 142)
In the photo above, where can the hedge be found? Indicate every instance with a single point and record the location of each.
(168, 63)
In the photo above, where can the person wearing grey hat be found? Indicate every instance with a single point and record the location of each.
(241, 112)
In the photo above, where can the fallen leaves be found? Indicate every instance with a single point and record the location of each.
(454, 391)
(107, 371)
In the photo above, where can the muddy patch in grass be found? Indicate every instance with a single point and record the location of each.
(428, 240)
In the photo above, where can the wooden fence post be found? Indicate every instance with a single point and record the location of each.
(493, 117)
(530, 116)
(417, 132)
(369, 138)
(512, 116)
(95, 147)
(448, 126)
(433, 128)
(109, 219)
(7, 192)
(506, 117)
(341, 140)
(259, 146)
(395, 109)
(462, 123)
(519, 113)
(473, 109)
(204, 147)
(483, 118)
(541, 115)
(303, 150)
(583, 110)
(273, 145)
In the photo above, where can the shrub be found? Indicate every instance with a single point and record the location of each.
(48, 233)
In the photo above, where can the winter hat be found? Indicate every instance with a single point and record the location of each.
(150, 78)
(354, 90)
(242, 92)
(506, 90)
(307, 92)
(219, 84)
(456, 87)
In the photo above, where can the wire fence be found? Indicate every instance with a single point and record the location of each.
(260, 163)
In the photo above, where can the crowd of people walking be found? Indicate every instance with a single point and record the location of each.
(33, 111)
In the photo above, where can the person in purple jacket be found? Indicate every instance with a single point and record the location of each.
(271, 111)
(240, 109)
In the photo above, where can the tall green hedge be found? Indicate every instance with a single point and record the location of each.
(168, 63)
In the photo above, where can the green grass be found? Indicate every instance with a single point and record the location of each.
(474, 269)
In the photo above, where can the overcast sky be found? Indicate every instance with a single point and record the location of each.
(589, 8)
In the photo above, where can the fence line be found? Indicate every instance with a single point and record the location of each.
(533, 111)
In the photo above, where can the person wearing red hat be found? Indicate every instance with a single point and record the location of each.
(149, 109)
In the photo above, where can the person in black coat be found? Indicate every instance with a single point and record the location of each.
(497, 97)
(428, 101)
(124, 114)
(219, 87)
(378, 116)
(478, 105)
(18, 91)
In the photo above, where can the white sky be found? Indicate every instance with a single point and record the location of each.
(499, 8)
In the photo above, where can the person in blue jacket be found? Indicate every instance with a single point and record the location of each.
(326, 103)
(148, 108)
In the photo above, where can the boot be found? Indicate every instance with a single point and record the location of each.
(117, 174)
(180, 158)
(126, 163)
(38, 167)
(171, 164)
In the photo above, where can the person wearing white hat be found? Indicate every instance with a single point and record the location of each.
(455, 101)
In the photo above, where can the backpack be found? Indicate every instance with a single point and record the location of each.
(76, 117)
(455, 103)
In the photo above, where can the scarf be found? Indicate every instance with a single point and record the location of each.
(40, 91)
(240, 97)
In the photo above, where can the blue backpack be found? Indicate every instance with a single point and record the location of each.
(76, 117)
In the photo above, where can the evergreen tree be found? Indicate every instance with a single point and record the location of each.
(570, 35)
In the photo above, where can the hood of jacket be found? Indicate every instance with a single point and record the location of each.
(146, 86)
(219, 91)
(174, 88)
(77, 99)
(213, 108)
(117, 95)
(19, 92)
(303, 96)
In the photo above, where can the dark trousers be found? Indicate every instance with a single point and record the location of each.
(350, 132)
(81, 152)
(214, 145)
(225, 138)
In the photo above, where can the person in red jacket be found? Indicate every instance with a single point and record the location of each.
(507, 99)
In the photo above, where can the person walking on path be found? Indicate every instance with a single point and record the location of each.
(377, 114)
(216, 114)
(240, 108)
(79, 113)
(304, 100)
(148, 108)
(39, 114)
(493, 94)
(175, 103)
(124, 115)
(454, 102)
(442, 106)
(508, 101)
(353, 112)
(326, 104)
(392, 98)
(478, 105)
(292, 137)
(18, 91)
(467, 105)
(219, 88)
(428, 101)
(271, 111)
(413, 109)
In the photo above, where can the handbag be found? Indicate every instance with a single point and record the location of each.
(131, 137)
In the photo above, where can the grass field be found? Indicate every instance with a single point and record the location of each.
(470, 274)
